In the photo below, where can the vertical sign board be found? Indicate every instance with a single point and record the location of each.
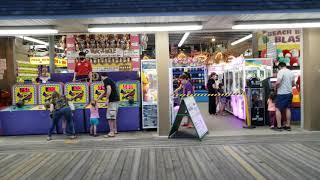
(189, 107)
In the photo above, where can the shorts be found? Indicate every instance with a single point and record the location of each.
(112, 110)
(94, 121)
(283, 101)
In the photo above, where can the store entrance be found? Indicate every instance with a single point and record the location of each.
(244, 79)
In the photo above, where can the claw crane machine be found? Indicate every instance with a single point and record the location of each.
(236, 79)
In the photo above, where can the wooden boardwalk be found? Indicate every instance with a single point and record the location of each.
(246, 157)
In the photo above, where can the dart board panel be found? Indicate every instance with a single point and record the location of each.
(78, 92)
(25, 92)
(96, 89)
(46, 90)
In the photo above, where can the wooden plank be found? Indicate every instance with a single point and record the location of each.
(35, 166)
(80, 163)
(245, 164)
(304, 153)
(277, 161)
(160, 167)
(68, 168)
(258, 163)
(136, 164)
(46, 167)
(152, 164)
(192, 161)
(18, 170)
(212, 166)
(220, 162)
(127, 167)
(111, 165)
(296, 161)
(103, 165)
(143, 169)
(168, 164)
(177, 165)
(308, 149)
(201, 162)
(80, 173)
(116, 173)
(306, 158)
(8, 162)
(58, 167)
(94, 167)
(185, 165)
(14, 164)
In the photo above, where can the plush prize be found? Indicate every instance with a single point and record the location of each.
(295, 54)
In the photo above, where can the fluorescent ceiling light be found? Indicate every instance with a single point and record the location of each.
(213, 39)
(33, 40)
(37, 41)
(276, 25)
(185, 36)
(27, 31)
(241, 40)
(118, 28)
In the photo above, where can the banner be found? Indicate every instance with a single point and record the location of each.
(282, 45)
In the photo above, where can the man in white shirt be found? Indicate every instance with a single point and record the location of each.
(285, 82)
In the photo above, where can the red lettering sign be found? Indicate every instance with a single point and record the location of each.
(24, 89)
(76, 88)
(50, 89)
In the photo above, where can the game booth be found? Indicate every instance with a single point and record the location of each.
(117, 55)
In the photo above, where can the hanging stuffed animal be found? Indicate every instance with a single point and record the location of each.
(295, 54)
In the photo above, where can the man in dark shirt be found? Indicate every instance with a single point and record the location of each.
(112, 101)
(212, 89)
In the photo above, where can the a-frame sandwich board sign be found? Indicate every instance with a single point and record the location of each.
(189, 107)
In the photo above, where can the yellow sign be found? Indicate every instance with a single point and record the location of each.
(46, 90)
(60, 62)
(128, 91)
(77, 92)
(96, 90)
(25, 93)
(40, 60)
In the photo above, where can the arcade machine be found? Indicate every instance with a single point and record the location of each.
(198, 79)
(236, 77)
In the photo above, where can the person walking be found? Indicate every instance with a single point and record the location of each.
(285, 82)
(212, 89)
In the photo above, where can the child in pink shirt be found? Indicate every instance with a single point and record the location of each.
(272, 109)
(94, 118)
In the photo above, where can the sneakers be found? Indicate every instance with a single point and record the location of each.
(277, 128)
(49, 138)
(287, 128)
(111, 134)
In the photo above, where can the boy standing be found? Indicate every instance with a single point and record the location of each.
(112, 101)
